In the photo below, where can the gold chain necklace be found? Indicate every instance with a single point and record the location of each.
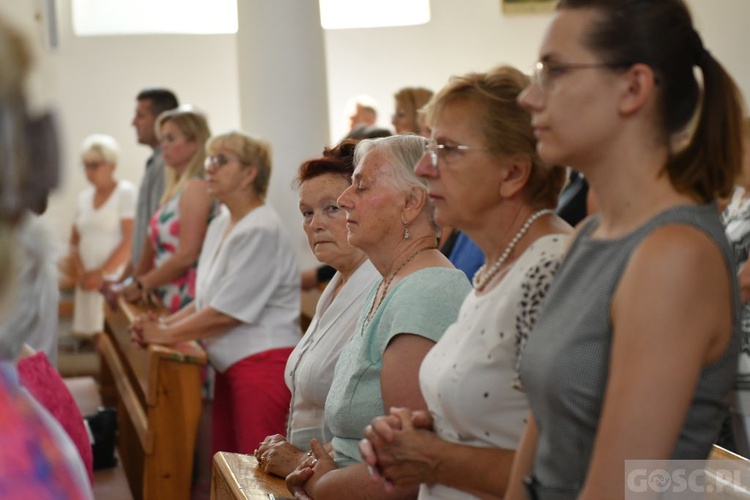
(387, 281)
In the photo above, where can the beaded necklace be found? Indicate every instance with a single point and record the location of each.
(483, 276)
(387, 281)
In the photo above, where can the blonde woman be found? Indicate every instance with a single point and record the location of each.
(176, 230)
(246, 307)
(464, 446)
(406, 117)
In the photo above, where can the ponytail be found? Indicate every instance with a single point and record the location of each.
(711, 162)
(660, 34)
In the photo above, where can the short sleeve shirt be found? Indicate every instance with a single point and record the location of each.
(425, 303)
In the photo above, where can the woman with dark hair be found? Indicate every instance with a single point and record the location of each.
(309, 371)
(635, 353)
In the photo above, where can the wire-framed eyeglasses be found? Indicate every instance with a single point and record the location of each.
(436, 150)
(215, 162)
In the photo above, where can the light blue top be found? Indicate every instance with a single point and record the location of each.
(425, 303)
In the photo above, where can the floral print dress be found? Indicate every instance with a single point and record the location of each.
(164, 234)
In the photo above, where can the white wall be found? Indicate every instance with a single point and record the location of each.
(723, 24)
(93, 81)
(474, 35)
(462, 36)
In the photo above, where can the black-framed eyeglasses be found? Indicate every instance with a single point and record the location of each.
(436, 150)
(543, 73)
(216, 161)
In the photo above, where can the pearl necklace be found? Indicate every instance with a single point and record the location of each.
(482, 277)
(387, 281)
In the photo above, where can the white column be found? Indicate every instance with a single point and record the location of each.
(284, 93)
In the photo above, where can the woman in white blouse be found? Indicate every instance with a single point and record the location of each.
(485, 179)
(309, 371)
(246, 307)
(103, 226)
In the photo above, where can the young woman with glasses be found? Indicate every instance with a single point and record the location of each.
(635, 352)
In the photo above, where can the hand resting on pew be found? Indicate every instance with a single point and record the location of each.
(279, 457)
(310, 471)
(139, 324)
(184, 325)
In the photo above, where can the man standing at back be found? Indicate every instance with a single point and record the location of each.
(150, 103)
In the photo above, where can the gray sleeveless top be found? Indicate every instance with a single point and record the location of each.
(565, 366)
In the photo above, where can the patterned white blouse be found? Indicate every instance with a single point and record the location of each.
(470, 378)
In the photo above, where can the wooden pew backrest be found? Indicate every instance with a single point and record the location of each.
(157, 391)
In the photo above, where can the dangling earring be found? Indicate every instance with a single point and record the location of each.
(407, 234)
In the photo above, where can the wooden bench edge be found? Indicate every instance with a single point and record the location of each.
(127, 393)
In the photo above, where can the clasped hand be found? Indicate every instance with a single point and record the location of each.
(399, 448)
(147, 328)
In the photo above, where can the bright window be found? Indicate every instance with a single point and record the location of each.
(139, 17)
(342, 14)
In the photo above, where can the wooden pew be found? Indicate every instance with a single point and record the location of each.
(729, 488)
(719, 453)
(157, 392)
(237, 477)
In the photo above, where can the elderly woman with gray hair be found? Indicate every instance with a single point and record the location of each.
(390, 217)
(102, 231)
